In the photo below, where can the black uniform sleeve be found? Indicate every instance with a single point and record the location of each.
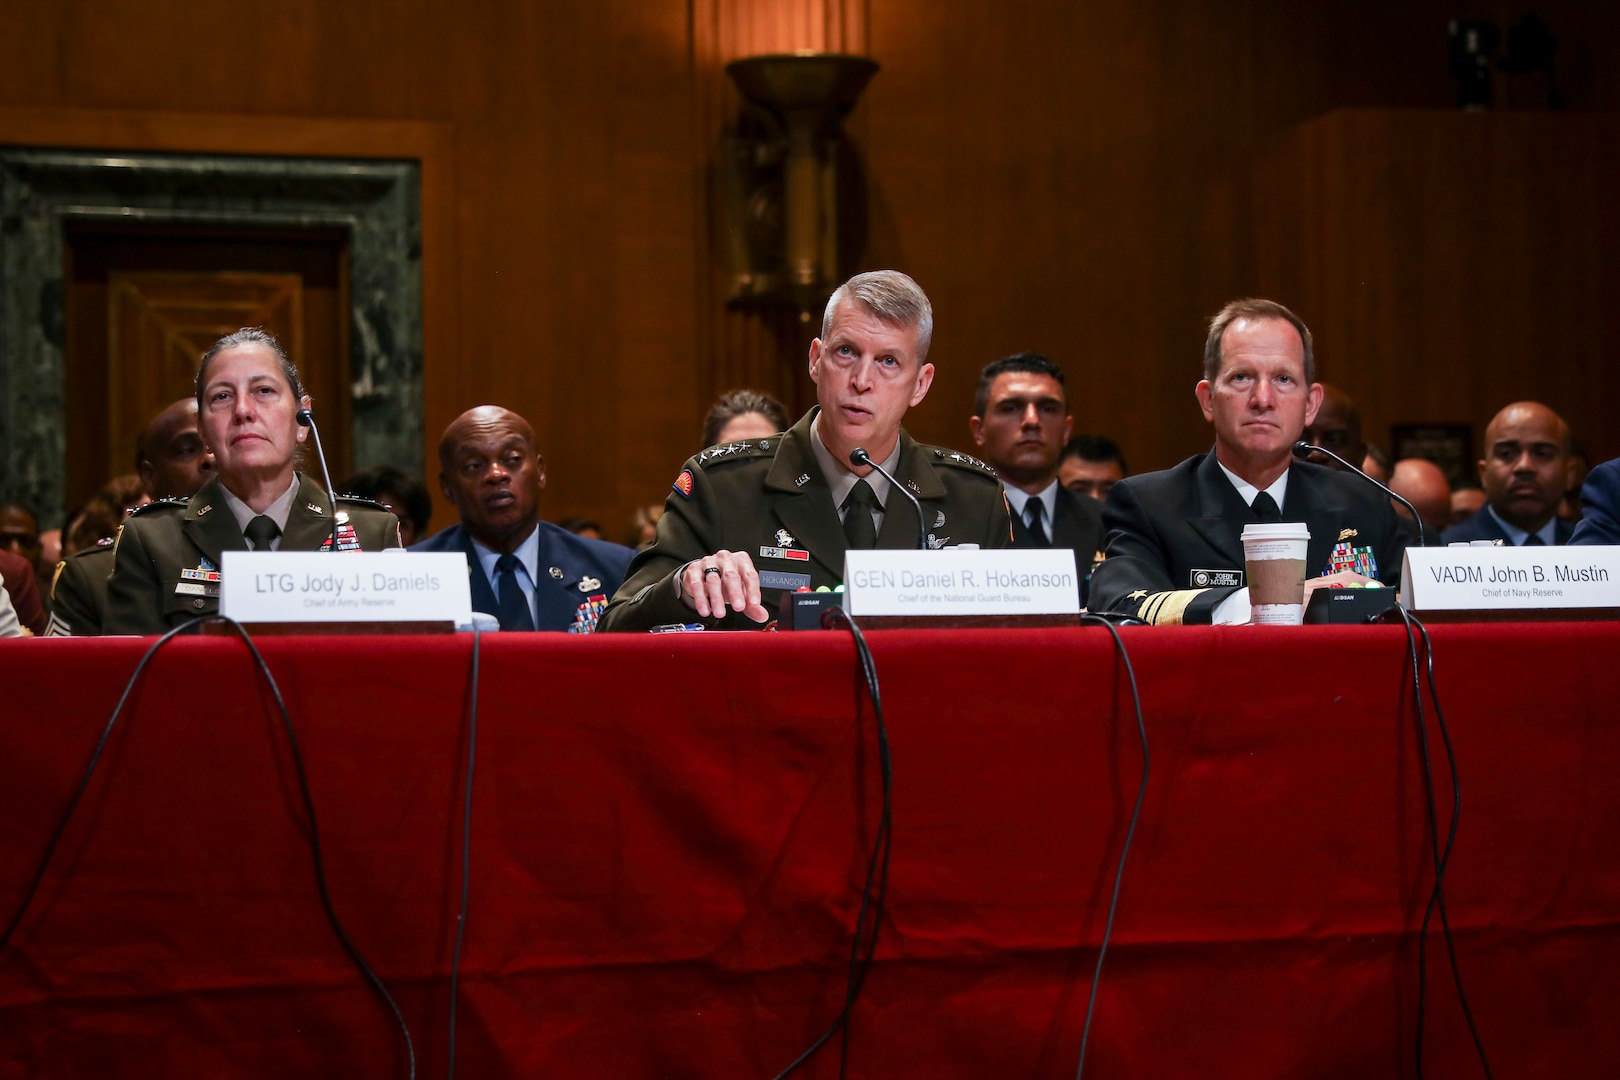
(1135, 576)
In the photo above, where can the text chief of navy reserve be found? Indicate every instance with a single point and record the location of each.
(1174, 548)
(747, 522)
(166, 568)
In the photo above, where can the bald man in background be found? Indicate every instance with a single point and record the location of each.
(1525, 472)
(1422, 483)
(174, 464)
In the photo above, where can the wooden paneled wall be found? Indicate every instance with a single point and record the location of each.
(1071, 176)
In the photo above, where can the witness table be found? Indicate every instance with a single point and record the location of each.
(670, 833)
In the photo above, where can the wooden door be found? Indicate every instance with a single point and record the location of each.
(143, 304)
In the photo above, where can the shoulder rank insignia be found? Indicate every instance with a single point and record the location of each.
(784, 538)
(683, 484)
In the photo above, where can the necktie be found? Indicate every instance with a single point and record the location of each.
(260, 532)
(1034, 515)
(1533, 541)
(1265, 508)
(514, 611)
(858, 528)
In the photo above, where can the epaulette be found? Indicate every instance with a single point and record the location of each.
(370, 504)
(169, 503)
(961, 460)
(738, 451)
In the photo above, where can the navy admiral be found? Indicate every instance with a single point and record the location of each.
(1021, 423)
(528, 573)
(167, 557)
(795, 502)
(173, 464)
(1174, 553)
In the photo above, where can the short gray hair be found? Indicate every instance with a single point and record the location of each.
(250, 335)
(892, 297)
(1253, 309)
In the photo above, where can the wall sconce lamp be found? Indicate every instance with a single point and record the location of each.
(780, 177)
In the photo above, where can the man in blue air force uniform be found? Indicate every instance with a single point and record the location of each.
(528, 573)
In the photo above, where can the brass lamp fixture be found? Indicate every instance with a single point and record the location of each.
(780, 177)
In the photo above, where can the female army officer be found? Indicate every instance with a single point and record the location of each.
(166, 569)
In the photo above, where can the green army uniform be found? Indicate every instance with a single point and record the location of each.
(168, 553)
(768, 497)
(79, 592)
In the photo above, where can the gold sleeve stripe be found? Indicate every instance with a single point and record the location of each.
(1167, 608)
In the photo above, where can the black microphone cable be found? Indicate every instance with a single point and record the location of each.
(304, 790)
(466, 845)
(1130, 833)
(877, 867)
(1442, 858)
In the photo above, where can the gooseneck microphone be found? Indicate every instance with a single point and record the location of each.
(307, 419)
(1304, 449)
(859, 456)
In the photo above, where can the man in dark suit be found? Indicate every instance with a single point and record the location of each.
(1020, 423)
(173, 464)
(1174, 548)
(1525, 472)
(528, 573)
(1600, 501)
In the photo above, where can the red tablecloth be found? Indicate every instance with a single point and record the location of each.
(670, 833)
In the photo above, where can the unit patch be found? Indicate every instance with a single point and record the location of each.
(683, 484)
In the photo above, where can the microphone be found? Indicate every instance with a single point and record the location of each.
(1304, 449)
(307, 419)
(859, 456)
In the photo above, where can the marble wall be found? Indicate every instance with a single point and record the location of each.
(377, 204)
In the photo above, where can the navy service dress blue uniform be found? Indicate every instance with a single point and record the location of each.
(576, 575)
(1174, 547)
(768, 497)
(79, 592)
(167, 567)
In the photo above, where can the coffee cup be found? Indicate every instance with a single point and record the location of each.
(1274, 556)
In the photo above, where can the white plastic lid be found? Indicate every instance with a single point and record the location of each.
(1278, 530)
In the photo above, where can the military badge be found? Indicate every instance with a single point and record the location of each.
(937, 542)
(797, 554)
(939, 519)
(588, 614)
(683, 484)
(556, 572)
(346, 540)
(784, 538)
(1347, 556)
(587, 583)
(1345, 534)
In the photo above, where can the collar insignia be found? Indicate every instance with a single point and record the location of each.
(804, 478)
(312, 508)
(912, 484)
(939, 520)
(203, 512)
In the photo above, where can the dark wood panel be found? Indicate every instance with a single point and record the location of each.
(1452, 263)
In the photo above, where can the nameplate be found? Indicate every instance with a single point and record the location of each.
(1021, 581)
(1510, 578)
(317, 587)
